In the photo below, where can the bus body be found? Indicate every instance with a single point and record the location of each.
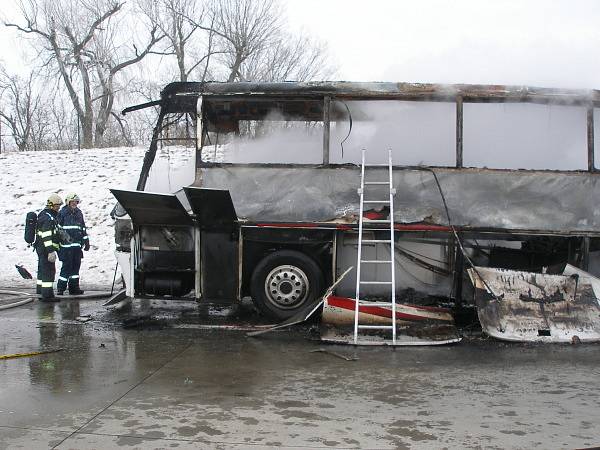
(272, 210)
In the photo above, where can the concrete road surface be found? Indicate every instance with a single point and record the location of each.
(169, 384)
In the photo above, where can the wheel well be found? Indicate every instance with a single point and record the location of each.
(254, 252)
(284, 282)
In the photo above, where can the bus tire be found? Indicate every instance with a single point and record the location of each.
(284, 282)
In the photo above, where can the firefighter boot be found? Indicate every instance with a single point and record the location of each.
(74, 286)
(61, 285)
(48, 293)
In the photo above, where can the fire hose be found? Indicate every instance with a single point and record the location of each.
(23, 296)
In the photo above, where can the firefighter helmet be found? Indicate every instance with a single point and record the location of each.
(72, 197)
(54, 200)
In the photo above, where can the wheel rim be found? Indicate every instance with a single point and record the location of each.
(286, 287)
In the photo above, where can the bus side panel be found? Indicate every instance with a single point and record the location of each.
(219, 266)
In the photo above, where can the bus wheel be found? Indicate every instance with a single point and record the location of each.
(284, 282)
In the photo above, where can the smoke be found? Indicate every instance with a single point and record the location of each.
(173, 168)
(418, 133)
(501, 136)
(276, 140)
(525, 136)
(495, 135)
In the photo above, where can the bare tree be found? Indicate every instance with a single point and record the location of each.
(24, 111)
(64, 122)
(88, 49)
(186, 38)
(244, 28)
(256, 47)
(139, 125)
(296, 58)
(78, 38)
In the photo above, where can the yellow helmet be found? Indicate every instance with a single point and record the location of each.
(72, 197)
(54, 200)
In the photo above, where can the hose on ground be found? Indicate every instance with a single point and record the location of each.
(23, 296)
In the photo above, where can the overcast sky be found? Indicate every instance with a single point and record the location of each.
(553, 43)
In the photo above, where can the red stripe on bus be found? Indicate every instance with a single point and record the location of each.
(349, 304)
(418, 307)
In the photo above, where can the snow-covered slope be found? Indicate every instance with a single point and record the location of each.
(28, 178)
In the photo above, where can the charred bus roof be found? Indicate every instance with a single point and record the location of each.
(254, 100)
(383, 90)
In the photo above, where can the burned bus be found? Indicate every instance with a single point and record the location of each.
(498, 177)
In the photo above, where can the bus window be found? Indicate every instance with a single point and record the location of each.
(524, 136)
(276, 139)
(173, 166)
(172, 169)
(419, 133)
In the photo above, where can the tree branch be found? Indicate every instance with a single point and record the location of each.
(139, 56)
(90, 34)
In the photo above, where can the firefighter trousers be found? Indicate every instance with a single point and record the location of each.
(69, 272)
(45, 275)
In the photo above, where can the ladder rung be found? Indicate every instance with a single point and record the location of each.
(377, 165)
(376, 201)
(377, 182)
(375, 282)
(376, 221)
(376, 327)
(374, 261)
(377, 241)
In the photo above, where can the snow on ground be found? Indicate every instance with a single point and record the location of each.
(28, 178)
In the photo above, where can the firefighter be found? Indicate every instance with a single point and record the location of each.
(70, 219)
(46, 246)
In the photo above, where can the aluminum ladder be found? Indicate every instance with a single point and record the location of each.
(360, 262)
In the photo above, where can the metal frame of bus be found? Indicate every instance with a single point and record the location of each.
(253, 238)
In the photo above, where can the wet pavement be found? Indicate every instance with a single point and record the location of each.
(167, 382)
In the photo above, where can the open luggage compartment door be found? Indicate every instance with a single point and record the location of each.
(218, 245)
(147, 208)
(162, 259)
(213, 208)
